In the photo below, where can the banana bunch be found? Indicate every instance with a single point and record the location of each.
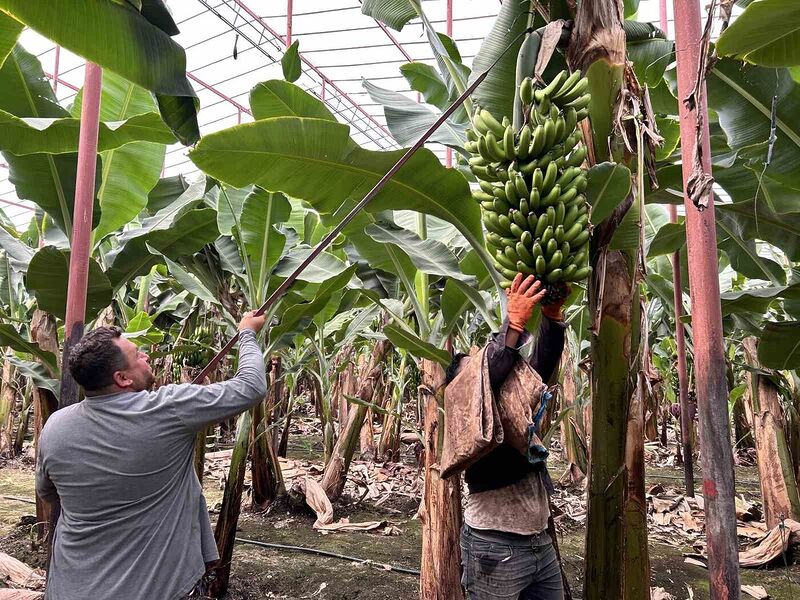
(532, 183)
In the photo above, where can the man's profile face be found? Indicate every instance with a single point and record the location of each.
(137, 376)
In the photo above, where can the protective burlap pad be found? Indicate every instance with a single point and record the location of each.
(472, 423)
(475, 423)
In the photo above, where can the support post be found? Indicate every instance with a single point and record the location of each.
(449, 30)
(55, 69)
(687, 408)
(709, 351)
(289, 11)
(80, 241)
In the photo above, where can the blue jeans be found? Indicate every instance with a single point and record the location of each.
(506, 566)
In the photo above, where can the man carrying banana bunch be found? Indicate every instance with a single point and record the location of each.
(505, 549)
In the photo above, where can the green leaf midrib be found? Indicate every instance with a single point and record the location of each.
(766, 111)
(62, 200)
(753, 255)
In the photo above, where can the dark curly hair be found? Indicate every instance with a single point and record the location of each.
(95, 358)
(452, 368)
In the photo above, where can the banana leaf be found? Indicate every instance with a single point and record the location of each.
(165, 192)
(406, 340)
(119, 38)
(779, 345)
(10, 337)
(496, 93)
(131, 171)
(278, 98)
(428, 255)
(290, 63)
(37, 373)
(767, 33)
(190, 232)
(47, 276)
(457, 296)
(742, 252)
(263, 244)
(45, 179)
(22, 136)
(190, 282)
(669, 238)
(609, 184)
(756, 300)
(742, 95)
(423, 78)
(19, 254)
(394, 13)
(316, 160)
(323, 268)
(10, 29)
(408, 120)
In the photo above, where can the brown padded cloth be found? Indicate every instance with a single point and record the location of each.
(475, 424)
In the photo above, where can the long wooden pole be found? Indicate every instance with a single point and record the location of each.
(80, 242)
(687, 408)
(709, 350)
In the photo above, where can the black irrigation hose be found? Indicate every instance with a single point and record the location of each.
(363, 561)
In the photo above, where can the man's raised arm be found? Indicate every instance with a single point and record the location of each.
(199, 405)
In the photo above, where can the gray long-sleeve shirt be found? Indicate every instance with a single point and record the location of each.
(134, 524)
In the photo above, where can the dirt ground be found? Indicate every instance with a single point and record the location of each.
(281, 573)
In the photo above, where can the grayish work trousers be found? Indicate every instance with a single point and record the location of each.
(506, 566)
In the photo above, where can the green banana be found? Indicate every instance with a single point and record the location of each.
(559, 234)
(488, 206)
(524, 268)
(524, 145)
(566, 87)
(571, 233)
(505, 224)
(493, 124)
(524, 208)
(570, 215)
(511, 194)
(517, 231)
(527, 238)
(485, 173)
(568, 196)
(501, 173)
(580, 102)
(548, 233)
(582, 273)
(537, 179)
(569, 272)
(576, 158)
(555, 85)
(480, 126)
(541, 224)
(541, 265)
(518, 218)
(505, 261)
(486, 186)
(522, 188)
(551, 216)
(582, 114)
(537, 250)
(560, 129)
(555, 275)
(526, 91)
(550, 133)
(501, 207)
(508, 143)
(482, 196)
(524, 254)
(549, 178)
(537, 142)
(561, 211)
(511, 254)
(472, 135)
(567, 176)
(529, 167)
(493, 147)
(534, 199)
(552, 196)
(580, 239)
(552, 246)
(555, 260)
(565, 249)
(577, 90)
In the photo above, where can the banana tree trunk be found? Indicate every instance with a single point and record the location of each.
(779, 492)
(346, 388)
(264, 466)
(225, 531)
(572, 444)
(441, 517)
(24, 419)
(7, 401)
(616, 543)
(44, 331)
(335, 474)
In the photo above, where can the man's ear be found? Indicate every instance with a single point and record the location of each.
(121, 380)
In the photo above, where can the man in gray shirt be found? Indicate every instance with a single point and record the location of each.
(134, 523)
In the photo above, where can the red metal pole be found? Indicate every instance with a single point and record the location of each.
(449, 31)
(687, 408)
(80, 242)
(709, 350)
(289, 12)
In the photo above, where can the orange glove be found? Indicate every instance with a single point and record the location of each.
(523, 296)
(555, 311)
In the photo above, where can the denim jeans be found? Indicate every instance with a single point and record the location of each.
(498, 565)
